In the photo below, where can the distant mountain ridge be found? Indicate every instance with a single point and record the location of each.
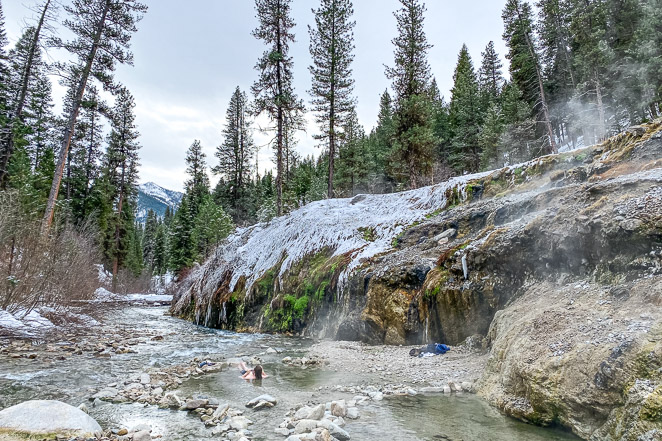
(152, 196)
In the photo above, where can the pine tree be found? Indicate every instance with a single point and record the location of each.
(197, 186)
(518, 141)
(442, 132)
(103, 30)
(353, 160)
(592, 55)
(5, 114)
(120, 175)
(465, 116)
(414, 137)
(160, 259)
(236, 153)
(381, 144)
(490, 77)
(212, 225)
(149, 244)
(525, 68)
(28, 62)
(181, 244)
(331, 47)
(274, 90)
(86, 154)
(489, 138)
(553, 29)
(647, 49)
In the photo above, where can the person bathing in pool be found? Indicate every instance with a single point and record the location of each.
(257, 373)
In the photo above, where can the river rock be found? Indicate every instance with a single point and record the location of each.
(353, 413)
(40, 416)
(143, 435)
(195, 404)
(334, 430)
(305, 426)
(262, 398)
(145, 379)
(282, 431)
(338, 408)
(106, 394)
(239, 423)
(317, 413)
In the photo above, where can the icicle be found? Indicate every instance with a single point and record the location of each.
(465, 268)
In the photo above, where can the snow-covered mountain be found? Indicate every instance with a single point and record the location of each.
(154, 197)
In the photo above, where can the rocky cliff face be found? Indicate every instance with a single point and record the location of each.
(554, 265)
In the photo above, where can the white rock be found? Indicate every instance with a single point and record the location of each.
(143, 435)
(48, 417)
(145, 379)
(239, 423)
(338, 408)
(316, 413)
(353, 413)
(305, 426)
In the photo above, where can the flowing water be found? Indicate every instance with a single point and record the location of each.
(437, 417)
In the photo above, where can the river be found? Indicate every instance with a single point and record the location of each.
(73, 380)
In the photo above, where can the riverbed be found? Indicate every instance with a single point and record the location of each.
(158, 341)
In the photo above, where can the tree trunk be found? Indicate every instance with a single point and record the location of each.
(20, 104)
(601, 109)
(71, 123)
(280, 117)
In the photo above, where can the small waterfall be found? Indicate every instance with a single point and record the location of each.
(427, 328)
(224, 314)
(465, 268)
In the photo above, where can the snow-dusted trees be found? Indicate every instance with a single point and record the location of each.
(274, 90)
(331, 47)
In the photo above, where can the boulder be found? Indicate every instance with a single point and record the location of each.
(41, 416)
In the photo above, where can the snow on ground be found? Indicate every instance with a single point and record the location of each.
(102, 295)
(165, 298)
(23, 322)
(363, 226)
(105, 278)
(8, 321)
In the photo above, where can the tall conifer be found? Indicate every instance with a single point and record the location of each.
(331, 47)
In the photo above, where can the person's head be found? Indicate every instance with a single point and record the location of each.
(258, 372)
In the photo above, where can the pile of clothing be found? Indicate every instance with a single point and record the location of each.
(430, 350)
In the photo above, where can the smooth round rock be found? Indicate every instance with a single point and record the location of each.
(41, 416)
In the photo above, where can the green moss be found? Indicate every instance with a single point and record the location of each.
(651, 410)
(369, 234)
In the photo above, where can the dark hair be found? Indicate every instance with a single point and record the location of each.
(258, 372)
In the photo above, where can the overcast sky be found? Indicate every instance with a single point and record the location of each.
(191, 55)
